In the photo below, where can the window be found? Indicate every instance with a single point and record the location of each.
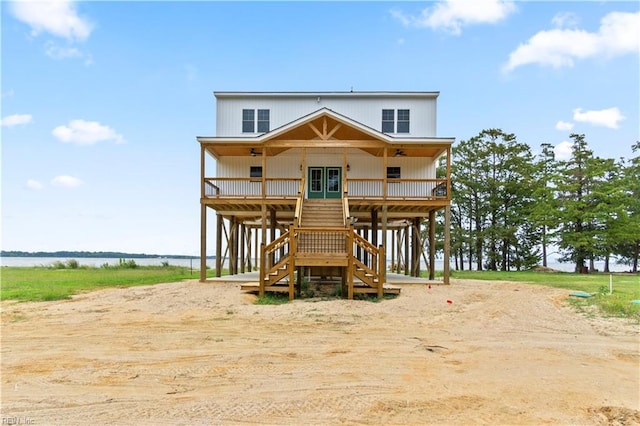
(248, 120)
(388, 120)
(263, 120)
(252, 121)
(389, 124)
(403, 121)
(393, 172)
(255, 172)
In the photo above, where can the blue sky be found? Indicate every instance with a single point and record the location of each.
(102, 101)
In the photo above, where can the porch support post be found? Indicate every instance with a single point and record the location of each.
(398, 244)
(243, 230)
(406, 249)
(393, 251)
(415, 252)
(384, 175)
(256, 256)
(303, 164)
(292, 266)
(350, 267)
(264, 218)
(374, 237)
(203, 242)
(202, 171)
(233, 251)
(374, 227)
(449, 173)
(264, 173)
(432, 244)
(384, 234)
(447, 242)
(219, 231)
(263, 236)
(248, 241)
(419, 248)
(272, 226)
(203, 221)
(344, 169)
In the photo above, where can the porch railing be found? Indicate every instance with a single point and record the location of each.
(251, 187)
(398, 188)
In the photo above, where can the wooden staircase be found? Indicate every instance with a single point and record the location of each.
(322, 213)
(322, 238)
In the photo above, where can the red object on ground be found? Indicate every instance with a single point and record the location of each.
(429, 285)
(449, 301)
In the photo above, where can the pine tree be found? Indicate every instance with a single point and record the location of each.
(576, 181)
(544, 210)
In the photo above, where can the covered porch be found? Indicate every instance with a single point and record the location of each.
(330, 155)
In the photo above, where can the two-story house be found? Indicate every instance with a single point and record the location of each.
(330, 182)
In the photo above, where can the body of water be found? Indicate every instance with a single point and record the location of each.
(195, 262)
(99, 261)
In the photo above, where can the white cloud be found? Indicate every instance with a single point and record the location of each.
(83, 132)
(563, 151)
(56, 52)
(609, 117)
(564, 125)
(452, 15)
(34, 184)
(619, 34)
(65, 181)
(16, 119)
(565, 20)
(58, 18)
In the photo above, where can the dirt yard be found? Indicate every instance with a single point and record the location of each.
(191, 353)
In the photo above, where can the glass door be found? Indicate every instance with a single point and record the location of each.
(333, 182)
(325, 182)
(316, 182)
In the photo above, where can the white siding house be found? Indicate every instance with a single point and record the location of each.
(280, 153)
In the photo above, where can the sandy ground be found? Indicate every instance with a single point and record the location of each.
(193, 353)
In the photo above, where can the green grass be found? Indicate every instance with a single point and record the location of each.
(272, 299)
(626, 287)
(43, 284)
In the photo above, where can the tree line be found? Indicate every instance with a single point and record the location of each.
(87, 254)
(509, 206)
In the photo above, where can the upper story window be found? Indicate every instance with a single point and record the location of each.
(263, 120)
(252, 121)
(389, 123)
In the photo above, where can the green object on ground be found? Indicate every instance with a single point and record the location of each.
(580, 294)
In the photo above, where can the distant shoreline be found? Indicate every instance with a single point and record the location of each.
(94, 254)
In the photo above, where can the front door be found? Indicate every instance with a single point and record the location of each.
(325, 182)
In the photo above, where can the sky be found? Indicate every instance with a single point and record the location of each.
(102, 101)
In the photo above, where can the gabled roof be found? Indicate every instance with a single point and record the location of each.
(323, 127)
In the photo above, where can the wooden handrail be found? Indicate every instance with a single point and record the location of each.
(345, 210)
(298, 211)
(277, 243)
